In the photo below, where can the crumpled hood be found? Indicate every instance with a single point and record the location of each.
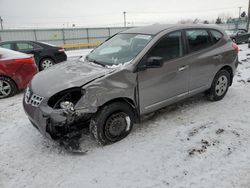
(66, 75)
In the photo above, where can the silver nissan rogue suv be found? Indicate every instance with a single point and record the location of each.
(133, 73)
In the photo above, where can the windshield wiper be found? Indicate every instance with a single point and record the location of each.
(98, 63)
(94, 61)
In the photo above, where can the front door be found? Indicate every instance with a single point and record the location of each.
(159, 86)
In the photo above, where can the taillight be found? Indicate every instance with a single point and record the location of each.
(61, 50)
(235, 47)
(26, 60)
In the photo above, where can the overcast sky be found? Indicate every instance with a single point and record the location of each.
(91, 13)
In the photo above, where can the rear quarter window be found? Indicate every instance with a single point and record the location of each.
(198, 39)
(27, 46)
(216, 35)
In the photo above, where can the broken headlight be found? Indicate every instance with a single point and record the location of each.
(67, 105)
(66, 99)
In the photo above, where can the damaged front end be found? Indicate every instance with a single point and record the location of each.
(64, 118)
(56, 117)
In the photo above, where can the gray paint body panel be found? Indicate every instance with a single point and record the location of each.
(149, 90)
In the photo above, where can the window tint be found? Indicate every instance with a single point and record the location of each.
(198, 39)
(241, 32)
(24, 46)
(169, 47)
(7, 46)
(216, 35)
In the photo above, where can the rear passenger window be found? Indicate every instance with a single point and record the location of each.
(216, 35)
(170, 47)
(198, 39)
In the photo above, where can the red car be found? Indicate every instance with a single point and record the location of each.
(16, 71)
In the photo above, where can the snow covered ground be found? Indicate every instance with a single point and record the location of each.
(195, 143)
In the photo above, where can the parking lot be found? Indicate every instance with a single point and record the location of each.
(194, 143)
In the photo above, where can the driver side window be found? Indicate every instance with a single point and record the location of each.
(169, 47)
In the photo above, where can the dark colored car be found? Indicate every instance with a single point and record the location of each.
(238, 35)
(46, 55)
(16, 71)
(135, 72)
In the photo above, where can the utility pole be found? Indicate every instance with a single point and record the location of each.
(124, 18)
(248, 16)
(1, 23)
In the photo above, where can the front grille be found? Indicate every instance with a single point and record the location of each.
(32, 99)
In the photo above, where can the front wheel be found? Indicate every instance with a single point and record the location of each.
(112, 123)
(219, 86)
(7, 87)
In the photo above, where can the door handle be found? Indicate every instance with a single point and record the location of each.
(183, 68)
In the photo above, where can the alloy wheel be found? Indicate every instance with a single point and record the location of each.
(5, 89)
(221, 85)
(47, 63)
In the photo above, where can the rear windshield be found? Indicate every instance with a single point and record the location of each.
(10, 54)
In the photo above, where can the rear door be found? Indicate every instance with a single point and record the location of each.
(29, 48)
(202, 59)
(160, 86)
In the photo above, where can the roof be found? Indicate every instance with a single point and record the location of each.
(18, 41)
(157, 28)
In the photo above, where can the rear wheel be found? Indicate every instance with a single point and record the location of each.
(7, 87)
(219, 86)
(112, 123)
(46, 63)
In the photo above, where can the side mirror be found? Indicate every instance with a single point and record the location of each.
(151, 62)
(154, 62)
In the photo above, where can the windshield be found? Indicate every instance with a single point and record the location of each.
(231, 32)
(120, 49)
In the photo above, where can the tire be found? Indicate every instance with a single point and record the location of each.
(219, 86)
(112, 123)
(8, 87)
(46, 63)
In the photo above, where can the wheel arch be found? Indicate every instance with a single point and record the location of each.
(1, 75)
(128, 101)
(230, 71)
(45, 57)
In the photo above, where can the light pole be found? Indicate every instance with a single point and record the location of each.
(124, 18)
(248, 16)
(238, 22)
(239, 12)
